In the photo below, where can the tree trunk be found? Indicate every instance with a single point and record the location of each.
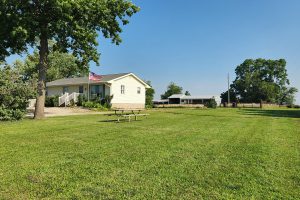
(42, 70)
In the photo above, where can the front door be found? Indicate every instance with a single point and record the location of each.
(65, 89)
(95, 91)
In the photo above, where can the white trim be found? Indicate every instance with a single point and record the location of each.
(131, 74)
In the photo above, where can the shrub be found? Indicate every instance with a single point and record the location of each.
(7, 114)
(107, 101)
(14, 94)
(293, 106)
(98, 104)
(93, 105)
(149, 106)
(81, 100)
(72, 103)
(51, 101)
(211, 104)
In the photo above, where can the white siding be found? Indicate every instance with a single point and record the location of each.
(52, 91)
(131, 86)
(58, 90)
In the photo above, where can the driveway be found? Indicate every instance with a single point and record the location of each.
(66, 111)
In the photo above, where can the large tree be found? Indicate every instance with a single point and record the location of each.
(260, 80)
(73, 25)
(172, 89)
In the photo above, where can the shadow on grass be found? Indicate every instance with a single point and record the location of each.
(251, 112)
(272, 113)
(120, 121)
(206, 115)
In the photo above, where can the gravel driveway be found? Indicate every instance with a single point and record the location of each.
(66, 111)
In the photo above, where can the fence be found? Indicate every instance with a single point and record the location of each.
(255, 105)
(179, 106)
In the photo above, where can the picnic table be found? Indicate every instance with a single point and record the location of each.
(128, 113)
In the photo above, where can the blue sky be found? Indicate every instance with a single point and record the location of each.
(195, 43)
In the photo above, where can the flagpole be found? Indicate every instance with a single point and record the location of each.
(89, 87)
(228, 90)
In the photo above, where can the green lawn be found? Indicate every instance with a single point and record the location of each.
(174, 154)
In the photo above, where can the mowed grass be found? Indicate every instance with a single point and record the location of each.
(173, 154)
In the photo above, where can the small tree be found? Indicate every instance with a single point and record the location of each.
(149, 95)
(14, 94)
(211, 104)
(187, 93)
(172, 89)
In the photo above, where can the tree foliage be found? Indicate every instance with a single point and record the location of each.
(260, 80)
(73, 25)
(187, 93)
(171, 89)
(232, 95)
(287, 96)
(14, 94)
(149, 95)
(60, 65)
(211, 104)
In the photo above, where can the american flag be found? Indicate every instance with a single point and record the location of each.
(94, 77)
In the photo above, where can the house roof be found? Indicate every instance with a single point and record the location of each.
(161, 101)
(199, 97)
(176, 96)
(182, 96)
(84, 80)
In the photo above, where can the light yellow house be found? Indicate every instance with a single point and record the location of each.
(127, 89)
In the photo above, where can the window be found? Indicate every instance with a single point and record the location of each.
(122, 89)
(80, 89)
(139, 90)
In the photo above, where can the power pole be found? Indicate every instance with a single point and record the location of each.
(228, 79)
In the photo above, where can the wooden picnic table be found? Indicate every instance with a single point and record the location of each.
(129, 112)
(133, 110)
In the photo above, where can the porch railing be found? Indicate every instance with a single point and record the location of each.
(66, 98)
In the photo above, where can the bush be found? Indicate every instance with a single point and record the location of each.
(97, 103)
(72, 103)
(107, 101)
(93, 105)
(51, 101)
(81, 100)
(7, 114)
(211, 104)
(293, 106)
(149, 106)
(14, 94)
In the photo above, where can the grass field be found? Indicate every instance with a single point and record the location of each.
(174, 154)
